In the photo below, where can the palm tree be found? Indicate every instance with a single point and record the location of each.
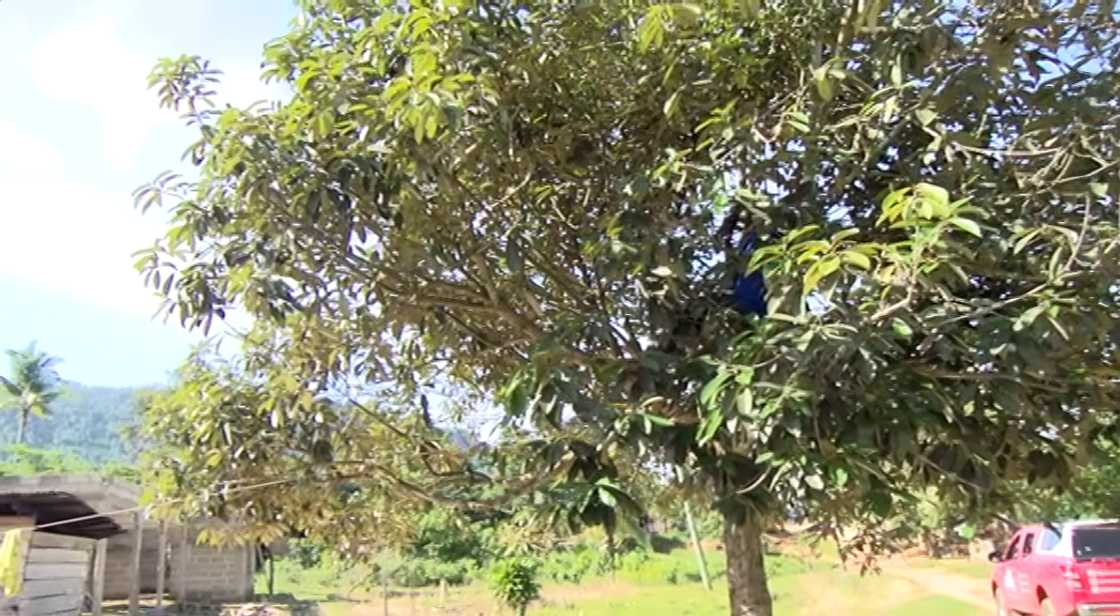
(32, 386)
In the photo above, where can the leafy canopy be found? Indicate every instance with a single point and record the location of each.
(543, 204)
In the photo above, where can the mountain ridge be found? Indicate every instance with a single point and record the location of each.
(87, 421)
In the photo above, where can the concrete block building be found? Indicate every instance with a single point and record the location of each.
(132, 555)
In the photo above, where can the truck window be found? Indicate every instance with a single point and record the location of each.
(1048, 541)
(1097, 542)
(1013, 549)
(1028, 545)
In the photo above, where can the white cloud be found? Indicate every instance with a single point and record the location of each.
(24, 153)
(87, 63)
(91, 63)
(66, 236)
(77, 237)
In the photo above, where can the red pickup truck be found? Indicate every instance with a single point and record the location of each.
(1068, 569)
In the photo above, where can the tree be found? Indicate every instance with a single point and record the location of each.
(32, 386)
(550, 203)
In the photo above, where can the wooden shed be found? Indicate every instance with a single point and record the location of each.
(54, 578)
(93, 541)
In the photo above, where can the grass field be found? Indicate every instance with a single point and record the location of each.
(665, 584)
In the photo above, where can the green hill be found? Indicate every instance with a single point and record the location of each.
(87, 422)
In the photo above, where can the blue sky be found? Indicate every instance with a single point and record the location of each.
(78, 132)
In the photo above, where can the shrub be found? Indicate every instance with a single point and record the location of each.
(515, 583)
(571, 565)
(416, 572)
(309, 555)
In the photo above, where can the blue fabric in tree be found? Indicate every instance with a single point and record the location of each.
(748, 294)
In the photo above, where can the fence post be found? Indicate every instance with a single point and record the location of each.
(700, 560)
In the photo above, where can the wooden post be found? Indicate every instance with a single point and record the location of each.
(161, 563)
(134, 566)
(247, 554)
(271, 574)
(385, 593)
(184, 565)
(99, 575)
(700, 560)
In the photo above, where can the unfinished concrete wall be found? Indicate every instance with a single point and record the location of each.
(118, 561)
(220, 575)
(216, 574)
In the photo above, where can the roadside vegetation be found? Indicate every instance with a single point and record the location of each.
(646, 583)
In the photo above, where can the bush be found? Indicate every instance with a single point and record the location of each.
(307, 554)
(515, 583)
(573, 564)
(417, 572)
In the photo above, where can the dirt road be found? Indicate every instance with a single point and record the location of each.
(936, 581)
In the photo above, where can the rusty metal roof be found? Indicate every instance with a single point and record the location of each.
(57, 498)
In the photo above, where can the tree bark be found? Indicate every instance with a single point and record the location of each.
(746, 577)
(22, 437)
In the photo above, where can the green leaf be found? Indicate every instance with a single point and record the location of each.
(516, 396)
(824, 84)
(664, 422)
(902, 328)
(663, 271)
(935, 195)
(1025, 241)
(819, 271)
(966, 225)
(881, 503)
(651, 31)
(844, 234)
(859, 260)
(424, 63)
(712, 389)
(712, 422)
(431, 125)
(670, 106)
(1099, 189)
(744, 402)
(1028, 318)
(896, 73)
(324, 123)
(797, 233)
(815, 482)
(925, 116)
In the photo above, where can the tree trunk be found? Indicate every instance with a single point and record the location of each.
(23, 417)
(746, 577)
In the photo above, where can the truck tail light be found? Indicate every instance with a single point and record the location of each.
(1072, 577)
